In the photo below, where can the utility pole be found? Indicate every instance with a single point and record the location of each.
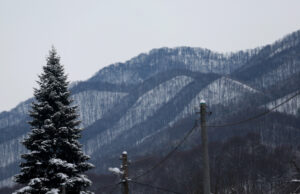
(63, 188)
(206, 176)
(124, 168)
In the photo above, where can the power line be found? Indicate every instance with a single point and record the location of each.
(296, 189)
(256, 116)
(169, 154)
(224, 125)
(155, 187)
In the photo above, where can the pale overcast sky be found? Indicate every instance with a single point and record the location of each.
(91, 34)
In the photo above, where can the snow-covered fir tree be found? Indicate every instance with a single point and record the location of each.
(55, 158)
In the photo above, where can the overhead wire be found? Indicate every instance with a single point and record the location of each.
(189, 133)
(224, 125)
(296, 189)
(169, 154)
(256, 116)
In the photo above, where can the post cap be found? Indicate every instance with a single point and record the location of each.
(124, 153)
(202, 101)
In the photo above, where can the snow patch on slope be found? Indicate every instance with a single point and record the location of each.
(144, 107)
(11, 150)
(223, 90)
(146, 65)
(292, 107)
(15, 115)
(7, 182)
(151, 101)
(283, 72)
(94, 104)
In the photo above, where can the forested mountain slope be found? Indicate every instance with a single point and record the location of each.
(148, 103)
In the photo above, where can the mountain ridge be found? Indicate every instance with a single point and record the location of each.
(153, 97)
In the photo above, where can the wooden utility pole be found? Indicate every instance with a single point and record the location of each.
(206, 176)
(63, 188)
(124, 168)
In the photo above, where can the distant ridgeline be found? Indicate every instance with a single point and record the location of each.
(146, 104)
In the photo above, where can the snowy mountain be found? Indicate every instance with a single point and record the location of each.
(149, 101)
(144, 66)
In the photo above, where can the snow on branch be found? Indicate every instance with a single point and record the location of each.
(115, 170)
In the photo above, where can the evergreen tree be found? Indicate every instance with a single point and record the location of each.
(55, 157)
